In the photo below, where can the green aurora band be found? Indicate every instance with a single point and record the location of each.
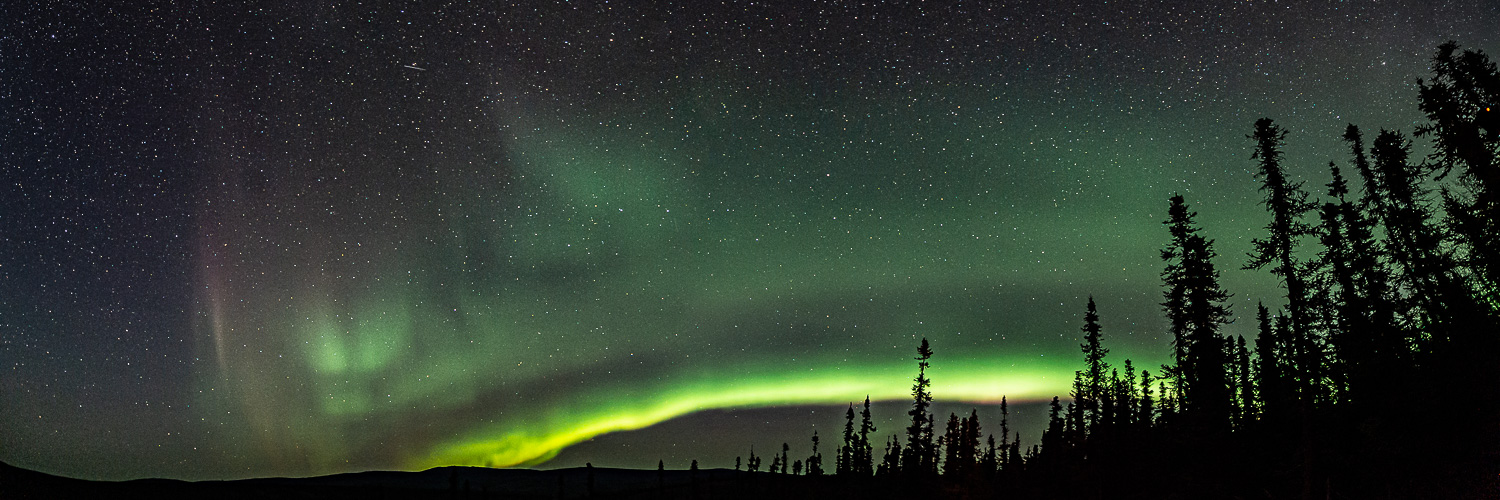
(596, 280)
(532, 444)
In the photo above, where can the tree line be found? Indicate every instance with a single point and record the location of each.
(1374, 377)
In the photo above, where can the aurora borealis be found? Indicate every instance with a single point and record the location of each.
(301, 240)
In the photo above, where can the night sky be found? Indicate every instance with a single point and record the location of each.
(302, 239)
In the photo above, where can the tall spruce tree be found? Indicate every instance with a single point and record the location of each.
(1439, 304)
(845, 463)
(1004, 423)
(969, 451)
(1364, 342)
(1147, 416)
(1337, 296)
(1054, 437)
(952, 435)
(1195, 308)
(1287, 203)
(919, 448)
(864, 455)
(815, 460)
(1462, 103)
(1094, 365)
(1109, 403)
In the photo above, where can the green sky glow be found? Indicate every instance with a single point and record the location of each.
(326, 238)
(613, 282)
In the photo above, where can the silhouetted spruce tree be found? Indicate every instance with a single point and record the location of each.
(692, 478)
(969, 454)
(1375, 347)
(815, 460)
(1147, 415)
(1095, 368)
(1167, 404)
(890, 464)
(990, 464)
(1195, 308)
(1077, 425)
(1125, 397)
(1463, 110)
(1338, 298)
(1372, 202)
(1462, 104)
(784, 450)
(1247, 406)
(1440, 301)
(864, 456)
(1364, 341)
(929, 460)
(1105, 425)
(797, 468)
(1288, 356)
(917, 458)
(1366, 254)
(949, 443)
(1129, 399)
(1054, 438)
(1004, 424)
(1014, 464)
(845, 462)
(1232, 376)
(1174, 306)
(1274, 390)
(1287, 203)
(1387, 343)
(589, 478)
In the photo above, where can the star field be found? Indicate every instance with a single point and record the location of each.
(249, 241)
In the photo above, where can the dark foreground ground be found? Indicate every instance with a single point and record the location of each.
(461, 483)
(473, 483)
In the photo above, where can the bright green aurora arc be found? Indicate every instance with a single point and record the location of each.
(636, 282)
(334, 238)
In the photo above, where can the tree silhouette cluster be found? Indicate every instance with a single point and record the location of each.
(1373, 377)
